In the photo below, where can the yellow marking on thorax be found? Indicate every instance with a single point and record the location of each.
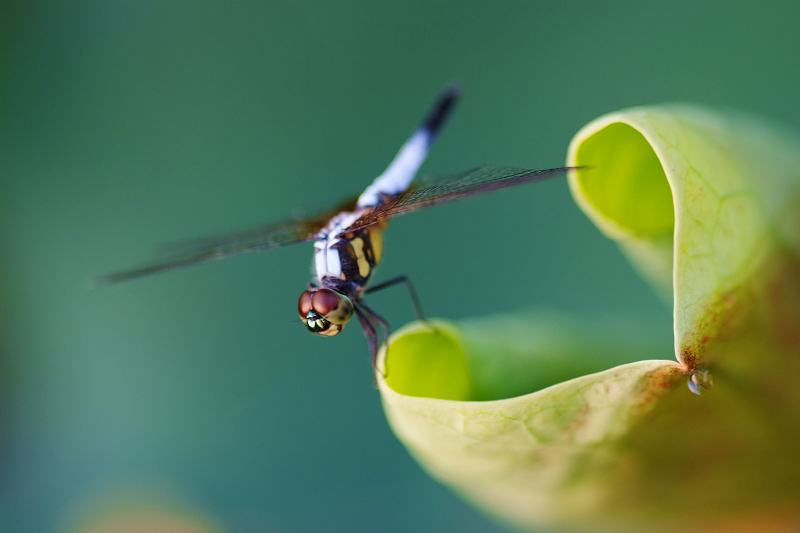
(376, 240)
(363, 264)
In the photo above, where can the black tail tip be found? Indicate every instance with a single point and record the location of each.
(452, 92)
(442, 108)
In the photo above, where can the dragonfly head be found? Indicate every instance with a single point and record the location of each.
(325, 311)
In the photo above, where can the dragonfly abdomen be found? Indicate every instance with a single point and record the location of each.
(401, 171)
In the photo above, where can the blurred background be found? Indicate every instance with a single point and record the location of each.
(197, 393)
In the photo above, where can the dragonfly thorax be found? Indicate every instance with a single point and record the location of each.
(325, 311)
(345, 260)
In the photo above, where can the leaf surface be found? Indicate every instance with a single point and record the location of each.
(588, 425)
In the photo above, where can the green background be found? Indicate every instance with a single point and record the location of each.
(127, 124)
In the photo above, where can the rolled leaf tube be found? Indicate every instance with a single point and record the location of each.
(517, 417)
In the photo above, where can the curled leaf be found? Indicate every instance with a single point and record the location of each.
(588, 426)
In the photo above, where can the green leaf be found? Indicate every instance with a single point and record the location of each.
(588, 425)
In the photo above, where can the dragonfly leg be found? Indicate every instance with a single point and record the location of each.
(369, 320)
(411, 292)
(370, 330)
(376, 317)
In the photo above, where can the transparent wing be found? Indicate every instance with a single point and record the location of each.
(435, 190)
(423, 193)
(188, 253)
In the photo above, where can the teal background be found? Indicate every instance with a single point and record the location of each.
(127, 124)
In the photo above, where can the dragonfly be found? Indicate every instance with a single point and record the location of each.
(348, 240)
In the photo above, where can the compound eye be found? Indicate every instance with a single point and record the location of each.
(324, 311)
(304, 305)
(324, 301)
